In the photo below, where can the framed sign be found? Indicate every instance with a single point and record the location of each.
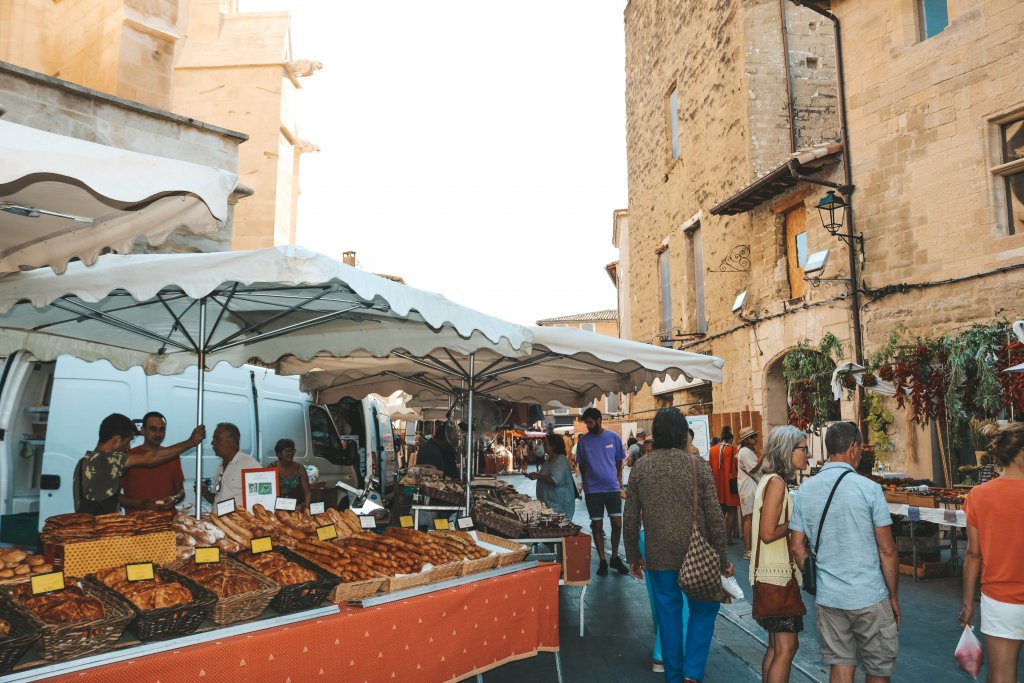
(260, 485)
(316, 508)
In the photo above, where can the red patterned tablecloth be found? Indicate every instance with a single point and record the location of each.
(443, 636)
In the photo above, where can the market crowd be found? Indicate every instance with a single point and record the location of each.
(831, 539)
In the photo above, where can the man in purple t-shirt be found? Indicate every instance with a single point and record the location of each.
(599, 455)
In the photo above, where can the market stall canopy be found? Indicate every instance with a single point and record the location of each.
(62, 198)
(562, 364)
(147, 310)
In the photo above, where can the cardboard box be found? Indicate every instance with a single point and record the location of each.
(576, 559)
(86, 557)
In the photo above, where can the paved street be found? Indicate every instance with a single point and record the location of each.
(619, 634)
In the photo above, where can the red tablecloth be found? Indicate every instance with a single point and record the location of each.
(443, 636)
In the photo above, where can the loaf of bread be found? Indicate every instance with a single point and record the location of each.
(61, 607)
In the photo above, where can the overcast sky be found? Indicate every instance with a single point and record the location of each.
(475, 148)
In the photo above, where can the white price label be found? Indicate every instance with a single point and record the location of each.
(367, 522)
(285, 504)
(464, 523)
(316, 508)
(225, 507)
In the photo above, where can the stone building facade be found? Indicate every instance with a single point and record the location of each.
(202, 59)
(728, 114)
(45, 103)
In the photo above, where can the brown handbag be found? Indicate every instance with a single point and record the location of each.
(771, 600)
(700, 577)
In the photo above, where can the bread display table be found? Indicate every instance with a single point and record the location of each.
(448, 632)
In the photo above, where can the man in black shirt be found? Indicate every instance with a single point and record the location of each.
(450, 458)
(430, 454)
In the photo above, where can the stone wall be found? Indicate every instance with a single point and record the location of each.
(49, 104)
(734, 123)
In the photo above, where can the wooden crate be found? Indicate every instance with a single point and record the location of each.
(919, 501)
(86, 557)
(898, 497)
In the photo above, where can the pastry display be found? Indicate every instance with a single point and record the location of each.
(16, 563)
(61, 607)
(223, 579)
(277, 568)
(77, 527)
(145, 595)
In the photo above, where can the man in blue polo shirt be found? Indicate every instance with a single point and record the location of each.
(599, 455)
(858, 611)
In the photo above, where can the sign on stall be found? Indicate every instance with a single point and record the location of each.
(260, 485)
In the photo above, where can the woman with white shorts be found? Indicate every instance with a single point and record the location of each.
(995, 550)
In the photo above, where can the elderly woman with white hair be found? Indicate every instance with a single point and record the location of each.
(771, 564)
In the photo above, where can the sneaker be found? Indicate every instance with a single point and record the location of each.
(619, 565)
(602, 569)
(657, 667)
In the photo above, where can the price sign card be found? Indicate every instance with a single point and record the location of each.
(464, 523)
(285, 504)
(316, 508)
(142, 571)
(367, 522)
(207, 555)
(262, 544)
(225, 507)
(914, 514)
(327, 532)
(406, 521)
(47, 583)
(949, 515)
(441, 524)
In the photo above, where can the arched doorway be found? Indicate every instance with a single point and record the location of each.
(777, 394)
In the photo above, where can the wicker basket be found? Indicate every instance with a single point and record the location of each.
(165, 622)
(443, 495)
(301, 596)
(479, 565)
(393, 584)
(443, 572)
(242, 606)
(518, 554)
(506, 526)
(60, 642)
(356, 590)
(23, 633)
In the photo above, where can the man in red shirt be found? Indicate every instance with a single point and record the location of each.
(153, 488)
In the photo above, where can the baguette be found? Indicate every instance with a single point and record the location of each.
(230, 532)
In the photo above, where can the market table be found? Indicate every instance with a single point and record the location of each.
(955, 519)
(439, 636)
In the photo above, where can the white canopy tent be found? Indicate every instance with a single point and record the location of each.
(564, 365)
(166, 313)
(62, 197)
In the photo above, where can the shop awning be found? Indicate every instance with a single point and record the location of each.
(62, 198)
(780, 179)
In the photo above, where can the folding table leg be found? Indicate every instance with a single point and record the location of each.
(583, 607)
(558, 666)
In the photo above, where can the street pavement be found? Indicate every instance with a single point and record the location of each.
(619, 634)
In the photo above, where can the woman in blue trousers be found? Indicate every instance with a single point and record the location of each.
(662, 486)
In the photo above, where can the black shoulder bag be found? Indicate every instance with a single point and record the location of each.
(810, 568)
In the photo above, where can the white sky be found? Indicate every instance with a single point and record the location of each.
(475, 148)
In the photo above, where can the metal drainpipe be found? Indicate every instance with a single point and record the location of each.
(789, 77)
(858, 340)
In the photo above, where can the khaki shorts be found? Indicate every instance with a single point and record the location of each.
(867, 636)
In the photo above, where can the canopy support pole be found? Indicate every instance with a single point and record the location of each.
(199, 404)
(469, 432)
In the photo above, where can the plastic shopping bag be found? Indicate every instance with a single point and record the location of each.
(732, 587)
(968, 652)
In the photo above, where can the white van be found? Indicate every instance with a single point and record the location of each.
(369, 421)
(50, 415)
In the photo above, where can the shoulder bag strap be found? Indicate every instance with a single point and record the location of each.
(696, 485)
(756, 534)
(821, 524)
